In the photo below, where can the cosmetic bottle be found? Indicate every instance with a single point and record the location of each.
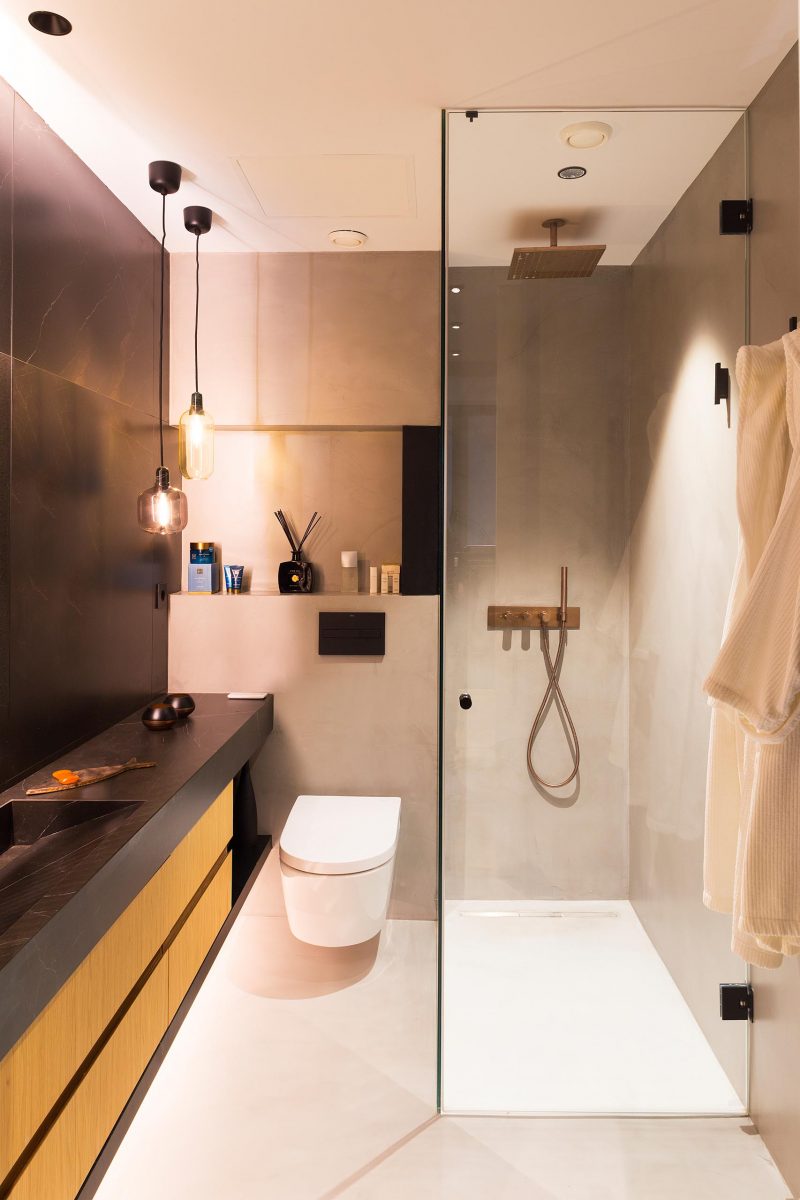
(349, 571)
(373, 581)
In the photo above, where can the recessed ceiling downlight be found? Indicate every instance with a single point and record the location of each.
(586, 135)
(572, 173)
(347, 237)
(51, 23)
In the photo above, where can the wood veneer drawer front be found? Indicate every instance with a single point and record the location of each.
(105, 1091)
(53, 1172)
(193, 942)
(37, 1070)
(67, 1154)
(197, 854)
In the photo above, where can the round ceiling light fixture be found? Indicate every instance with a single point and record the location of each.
(51, 23)
(586, 135)
(572, 173)
(347, 237)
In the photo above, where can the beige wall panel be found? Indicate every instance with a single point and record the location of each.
(287, 339)
(341, 725)
(228, 343)
(353, 479)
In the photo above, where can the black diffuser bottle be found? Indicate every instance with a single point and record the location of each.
(297, 575)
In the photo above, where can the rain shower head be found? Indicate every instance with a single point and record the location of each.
(554, 261)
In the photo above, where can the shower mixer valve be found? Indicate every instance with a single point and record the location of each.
(534, 616)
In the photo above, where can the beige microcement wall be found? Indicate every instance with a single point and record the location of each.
(311, 363)
(774, 296)
(688, 305)
(537, 428)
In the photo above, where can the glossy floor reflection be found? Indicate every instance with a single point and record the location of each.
(310, 1075)
(294, 1067)
(566, 1007)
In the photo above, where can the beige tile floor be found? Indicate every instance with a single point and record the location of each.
(536, 1158)
(309, 1075)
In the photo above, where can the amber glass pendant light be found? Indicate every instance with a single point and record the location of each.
(162, 508)
(196, 428)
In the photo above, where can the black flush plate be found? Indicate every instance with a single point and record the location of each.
(358, 633)
(736, 1001)
(736, 216)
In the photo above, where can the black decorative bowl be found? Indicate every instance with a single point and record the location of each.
(159, 716)
(181, 702)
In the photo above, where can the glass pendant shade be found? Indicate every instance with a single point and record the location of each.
(196, 441)
(163, 509)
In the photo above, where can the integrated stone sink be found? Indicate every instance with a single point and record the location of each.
(40, 840)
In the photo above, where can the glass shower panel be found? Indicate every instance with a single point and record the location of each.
(580, 970)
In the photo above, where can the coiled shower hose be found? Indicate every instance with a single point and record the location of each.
(554, 695)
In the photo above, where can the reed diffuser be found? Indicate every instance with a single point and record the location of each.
(297, 575)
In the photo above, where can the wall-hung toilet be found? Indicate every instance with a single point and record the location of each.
(337, 861)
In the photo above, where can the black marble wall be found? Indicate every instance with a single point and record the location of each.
(81, 640)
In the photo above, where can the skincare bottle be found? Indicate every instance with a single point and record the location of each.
(349, 571)
(390, 579)
(373, 581)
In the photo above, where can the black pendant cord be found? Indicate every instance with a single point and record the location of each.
(196, 303)
(161, 333)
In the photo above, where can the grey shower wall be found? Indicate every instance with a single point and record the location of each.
(537, 467)
(688, 292)
(774, 296)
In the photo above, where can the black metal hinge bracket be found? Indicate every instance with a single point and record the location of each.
(472, 114)
(736, 1002)
(736, 216)
(722, 388)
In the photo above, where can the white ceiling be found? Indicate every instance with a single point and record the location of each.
(236, 91)
(503, 171)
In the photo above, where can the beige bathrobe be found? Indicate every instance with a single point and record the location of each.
(752, 849)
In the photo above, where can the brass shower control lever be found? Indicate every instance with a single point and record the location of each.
(533, 616)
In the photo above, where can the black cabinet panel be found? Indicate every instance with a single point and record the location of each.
(422, 511)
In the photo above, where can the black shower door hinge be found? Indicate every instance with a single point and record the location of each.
(472, 114)
(736, 1001)
(736, 216)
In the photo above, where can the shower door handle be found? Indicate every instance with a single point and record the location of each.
(465, 700)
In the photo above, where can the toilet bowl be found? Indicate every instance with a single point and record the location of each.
(337, 861)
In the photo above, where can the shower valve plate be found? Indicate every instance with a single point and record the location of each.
(530, 616)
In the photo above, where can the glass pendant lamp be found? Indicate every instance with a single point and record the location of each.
(196, 427)
(163, 509)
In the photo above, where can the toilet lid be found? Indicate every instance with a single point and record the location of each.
(340, 835)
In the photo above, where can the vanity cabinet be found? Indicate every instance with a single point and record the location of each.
(65, 1083)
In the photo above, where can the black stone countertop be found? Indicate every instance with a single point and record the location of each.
(196, 759)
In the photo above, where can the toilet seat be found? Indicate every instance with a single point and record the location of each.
(340, 835)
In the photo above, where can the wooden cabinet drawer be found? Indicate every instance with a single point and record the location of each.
(37, 1070)
(66, 1156)
(185, 955)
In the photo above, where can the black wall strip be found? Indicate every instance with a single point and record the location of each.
(422, 518)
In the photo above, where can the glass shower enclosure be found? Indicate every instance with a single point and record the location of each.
(580, 969)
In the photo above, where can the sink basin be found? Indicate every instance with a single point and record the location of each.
(42, 840)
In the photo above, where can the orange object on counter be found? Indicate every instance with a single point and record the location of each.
(65, 776)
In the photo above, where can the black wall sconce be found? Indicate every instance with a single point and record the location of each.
(722, 388)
